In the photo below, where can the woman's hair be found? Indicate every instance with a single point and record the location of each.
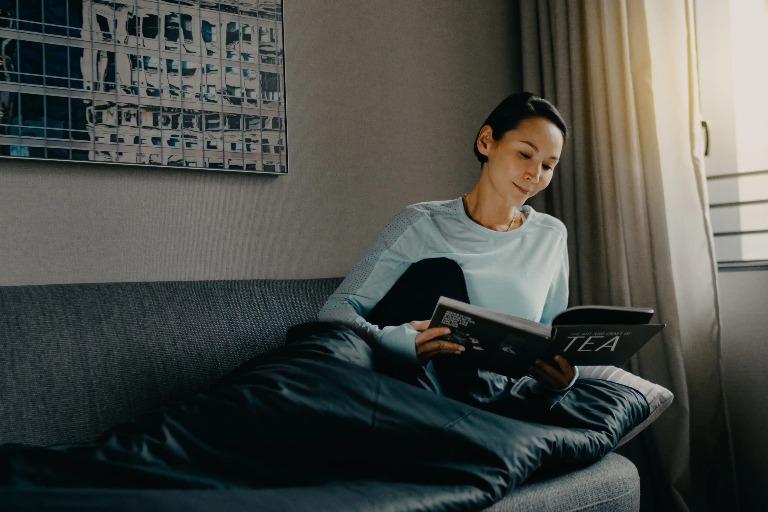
(513, 110)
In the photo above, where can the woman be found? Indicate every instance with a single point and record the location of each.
(487, 248)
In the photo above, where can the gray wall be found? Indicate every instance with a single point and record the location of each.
(383, 98)
(744, 313)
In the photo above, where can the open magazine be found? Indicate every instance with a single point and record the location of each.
(509, 345)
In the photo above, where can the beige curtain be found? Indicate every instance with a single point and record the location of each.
(631, 190)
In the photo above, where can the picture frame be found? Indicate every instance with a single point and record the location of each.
(155, 83)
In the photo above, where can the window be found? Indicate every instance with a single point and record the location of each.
(732, 39)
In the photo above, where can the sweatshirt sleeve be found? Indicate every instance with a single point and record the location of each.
(557, 301)
(557, 295)
(388, 257)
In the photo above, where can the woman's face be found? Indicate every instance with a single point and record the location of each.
(521, 164)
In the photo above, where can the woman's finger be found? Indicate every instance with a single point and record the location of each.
(430, 334)
(546, 368)
(554, 377)
(432, 348)
(564, 365)
(543, 378)
(420, 325)
(440, 347)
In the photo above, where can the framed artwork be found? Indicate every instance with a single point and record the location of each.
(179, 83)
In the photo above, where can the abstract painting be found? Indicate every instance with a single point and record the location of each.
(180, 83)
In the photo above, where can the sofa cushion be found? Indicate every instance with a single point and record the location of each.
(80, 358)
(611, 484)
(657, 396)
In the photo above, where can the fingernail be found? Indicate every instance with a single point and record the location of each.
(459, 351)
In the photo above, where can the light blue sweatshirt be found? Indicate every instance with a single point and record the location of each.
(523, 272)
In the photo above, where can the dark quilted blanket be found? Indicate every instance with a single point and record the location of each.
(310, 426)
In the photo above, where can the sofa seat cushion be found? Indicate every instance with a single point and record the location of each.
(611, 484)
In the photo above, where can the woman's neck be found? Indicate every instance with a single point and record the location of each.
(490, 211)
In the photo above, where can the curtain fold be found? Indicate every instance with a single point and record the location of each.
(631, 190)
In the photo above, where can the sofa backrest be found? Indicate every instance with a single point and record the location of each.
(76, 359)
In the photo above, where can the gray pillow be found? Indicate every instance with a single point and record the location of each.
(658, 397)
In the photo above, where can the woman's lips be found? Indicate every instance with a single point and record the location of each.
(523, 190)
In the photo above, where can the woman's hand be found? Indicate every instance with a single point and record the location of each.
(429, 344)
(553, 377)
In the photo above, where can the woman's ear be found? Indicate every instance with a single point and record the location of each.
(484, 140)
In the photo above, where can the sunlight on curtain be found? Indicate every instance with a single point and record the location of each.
(632, 193)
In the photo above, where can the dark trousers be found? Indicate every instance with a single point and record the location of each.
(414, 297)
(415, 294)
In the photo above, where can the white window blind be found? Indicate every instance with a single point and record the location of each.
(739, 211)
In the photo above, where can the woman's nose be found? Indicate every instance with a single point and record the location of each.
(533, 173)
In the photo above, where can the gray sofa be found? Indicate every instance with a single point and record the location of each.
(77, 359)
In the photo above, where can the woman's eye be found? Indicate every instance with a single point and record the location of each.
(548, 167)
(525, 156)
